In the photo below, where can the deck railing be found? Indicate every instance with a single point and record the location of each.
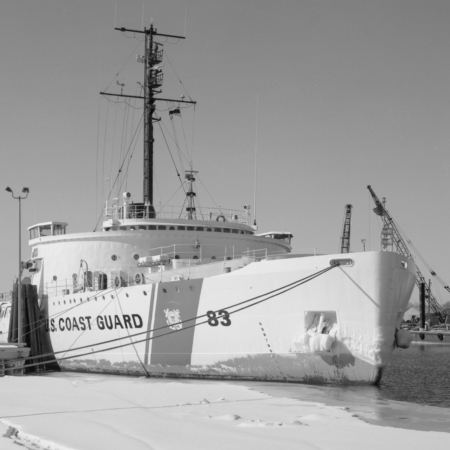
(115, 277)
(140, 211)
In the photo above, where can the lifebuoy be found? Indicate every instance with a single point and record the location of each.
(422, 336)
(440, 337)
(139, 278)
(221, 218)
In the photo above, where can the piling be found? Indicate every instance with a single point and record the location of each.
(422, 305)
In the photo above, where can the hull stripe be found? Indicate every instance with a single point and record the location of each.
(149, 323)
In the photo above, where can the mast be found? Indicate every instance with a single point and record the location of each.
(153, 78)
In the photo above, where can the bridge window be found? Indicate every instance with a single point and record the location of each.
(161, 227)
(45, 230)
(59, 230)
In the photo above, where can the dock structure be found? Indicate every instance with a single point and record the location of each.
(12, 352)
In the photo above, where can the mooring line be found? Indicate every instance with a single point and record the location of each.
(275, 293)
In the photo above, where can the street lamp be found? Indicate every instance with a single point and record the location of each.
(26, 191)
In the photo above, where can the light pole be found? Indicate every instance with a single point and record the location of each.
(19, 287)
(364, 244)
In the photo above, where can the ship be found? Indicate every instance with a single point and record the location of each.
(200, 293)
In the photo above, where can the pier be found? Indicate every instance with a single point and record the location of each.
(9, 352)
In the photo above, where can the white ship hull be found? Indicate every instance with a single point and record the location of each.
(363, 304)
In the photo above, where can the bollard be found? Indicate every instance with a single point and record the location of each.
(9, 369)
(18, 370)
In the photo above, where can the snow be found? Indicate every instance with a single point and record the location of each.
(89, 411)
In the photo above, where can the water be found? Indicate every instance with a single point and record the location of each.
(417, 376)
(420, 374)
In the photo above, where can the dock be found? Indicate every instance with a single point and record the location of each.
(12, 352)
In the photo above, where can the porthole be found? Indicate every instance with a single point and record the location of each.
(64, 302)
(127, 295)
(114, 257)
(165, 291)
(145, 292)
(191, 288)
(112, 296)
(135, 256)
(59, 303)
(81, 299)
(55, 277)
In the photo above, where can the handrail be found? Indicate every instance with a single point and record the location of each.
(140, 211)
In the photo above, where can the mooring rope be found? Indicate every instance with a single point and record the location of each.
(275, 293)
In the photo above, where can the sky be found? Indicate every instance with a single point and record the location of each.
(331, 95)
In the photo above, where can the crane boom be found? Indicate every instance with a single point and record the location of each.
(345, 238)
(402, 248)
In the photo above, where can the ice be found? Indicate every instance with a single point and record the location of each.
(46, 413)
(228, 417)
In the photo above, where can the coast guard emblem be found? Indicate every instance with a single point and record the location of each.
(173, 319)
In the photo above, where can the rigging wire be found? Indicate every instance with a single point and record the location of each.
(104, 145)
(171, 156)
(125, 63)
(191, 161)
(204, 187)
(173, 139)
(176, 144)
(120, 169)
(96, 157)
(173, 68)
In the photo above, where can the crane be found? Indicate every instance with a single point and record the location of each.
(391, 235)
(345, 238)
